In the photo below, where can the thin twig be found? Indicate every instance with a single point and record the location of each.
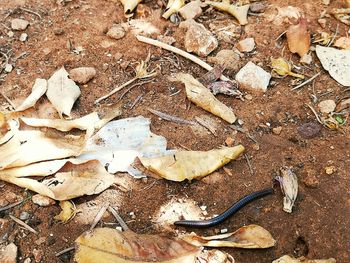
(30, 11)
(115, 90)
(307, 81)
(249, 164)
(168, 117)
(206, 125)
(64, 251)
(10, 206)
(8, 100)
(98, 216)
(237, 128)
(119, 219)
(335, 35)
(20, 222)
(178, 51)
(136, 101)
(133, 86)
(280, 35)
(314, 112)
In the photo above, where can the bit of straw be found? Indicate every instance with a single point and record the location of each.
(307, 81)
(10, 206)
(98, 216)
(20, 222)
(168, 117)
(64, 251)
(178, 51)
(119, 219)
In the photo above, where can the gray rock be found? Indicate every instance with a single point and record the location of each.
(198, 39)
(253, 77)
(116, 32)
(19, 24)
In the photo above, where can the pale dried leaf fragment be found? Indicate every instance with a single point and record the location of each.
(282, 67)
(110, 246)
(343, 43)
(38, 90)
(239, 12)
(215, 256)
(251, 236)
(62, 92)
(202, 97)
(289, 259)
(172, 7)
(190, 165)
(298, 38)
(71, 181)
(289, 185)
(130, 5)
(68, 212)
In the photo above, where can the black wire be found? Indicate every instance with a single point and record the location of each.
(229, 212)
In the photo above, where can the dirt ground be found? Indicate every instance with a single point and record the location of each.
(319, 226)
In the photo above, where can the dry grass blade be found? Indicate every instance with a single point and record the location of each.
(10, 206)
(119, 219)
(64, 251)
(178, 51)
(168, 117)
(307, 81)
(98, 216)
(20, 222)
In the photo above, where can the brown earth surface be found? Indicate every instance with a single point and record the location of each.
(319, 225)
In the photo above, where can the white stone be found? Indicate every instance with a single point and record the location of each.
(336, 62)
(198, 39)
(8, 68)
(246, 45)
(253, 77)
(191, 11)
(19, 24)
(8, 254)
(23, 37)
(327, 106)
(116, 32)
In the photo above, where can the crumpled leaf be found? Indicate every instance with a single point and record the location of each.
(289, 185)
(130, 5)
(215, 256)
(62, 92)
(283, 68)
(343, 43)
(251, 236)
(111, 246)
(68, 212)
(289, 259)
(172, 7)
(191, 164)
(73, 179)
(203, 98)
(239, 12)
(39, 89)
(298, 38)
(119, 142)
(336, 62)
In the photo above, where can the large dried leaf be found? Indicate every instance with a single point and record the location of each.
(62, 92)
(298, 38)
(191, 164)
(72, 180)
(289, 259)
(203, 98)
(119, 142)
(39, 89)
(110, 246)
(30, 146)
(336, 62)
(251, 236)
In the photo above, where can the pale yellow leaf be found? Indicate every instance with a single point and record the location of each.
(239, 12)
(110, 246)
(39, 89)
(68, 211)
(191, 164)
(172, 7)
(202, 97)
(251, 236)
(62, 92)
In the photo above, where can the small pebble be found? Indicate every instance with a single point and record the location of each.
(10, 34)
(8, 68)
(330, 170)
(246, 45)
(203, 207)
(327, 106)
(23, 37)
(229, 141)
(19, 24)
(116, 32)
(41, 200)
(24, 216)
(58, 31)
(277, 130)
(223, 231)
(82, 75)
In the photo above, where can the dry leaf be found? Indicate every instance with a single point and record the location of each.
(62, 92)
(191, 164)
(71, 181)
(298, 38)
(68, 212)
(343, 43)
(289, 259)
(239, 12)
(203, 98)
(282, 67)
(111, 246)
(289, 186)
(39, 89)
(130, 5)
(172, 7)
(119, 142)
(215, 256)
(251, 236)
